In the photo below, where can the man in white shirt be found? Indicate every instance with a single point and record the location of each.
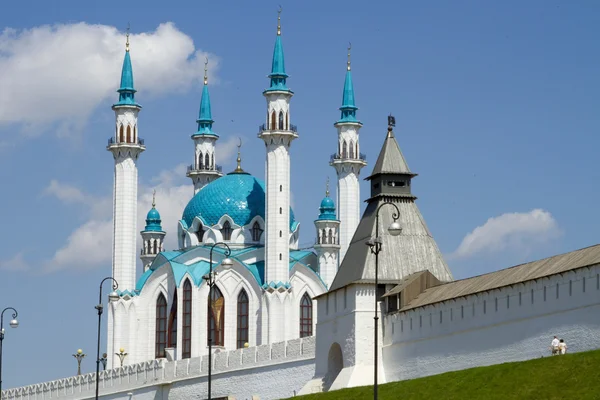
(554, 345)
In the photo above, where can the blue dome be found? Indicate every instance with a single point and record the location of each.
(153, 221)
(327, 203)
(327, 208)
(239, 195)
(153, 214)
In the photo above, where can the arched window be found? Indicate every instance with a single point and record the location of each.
(161, 326)
(226, 231)
(242, 319)
(331, 237)
(206, 161)
(305, 316)
(200, 161)
(273, 121)
(280, 210)
(135, 133)
(351, 149)
(281, 120)
(256, 232)
(216, 320)
(200, 234)
(287, 121)
(212, 161)
(173, 323)
(280, 234)
(324, 236)
(129, 134)
(356, 152)
(154, 246)
(344, 150)
(187, 320)
(121, 136)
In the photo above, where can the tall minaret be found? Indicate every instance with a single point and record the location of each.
(125, 146)
(204, 169)
(278, 135)
(153, 236)
(327, 246)
(348, 161)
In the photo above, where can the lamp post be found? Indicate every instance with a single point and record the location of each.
(103, 360)
(13, 324)
(210, 279)
(121, 354)
(100, 308)
(79, 356)
(376, 244)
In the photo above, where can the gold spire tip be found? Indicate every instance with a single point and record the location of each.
(279, 21)
(154, 198)
(206, 71)
(327, 190)
(239, 158)
(127, 40)
(349, 48)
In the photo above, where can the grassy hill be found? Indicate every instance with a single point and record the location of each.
(572, 376)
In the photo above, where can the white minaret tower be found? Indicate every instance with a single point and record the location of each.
(328, 245)
(348, 161)
(278, 135)
(125, 146)
(204, 170)
(153, 236)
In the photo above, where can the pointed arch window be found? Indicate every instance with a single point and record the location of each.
(121, 136)
(129, 134)
(173, 323)
(201, 161)
(206, 161)
(356, 150)
(216, 319)
(351, 149)
(226, 231)
(344, 150)
(135, 133)
(200, 234)
(287, 121)
(186, 317)
(281, 120)
(273, 121)
(242, 319)
(256, 232)
(212, 161)
(324, 237)
(161, 326)
(331, 237)
(306, 316)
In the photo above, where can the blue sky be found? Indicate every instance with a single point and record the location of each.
(496, 106)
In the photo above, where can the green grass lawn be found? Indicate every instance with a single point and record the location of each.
(571, 376)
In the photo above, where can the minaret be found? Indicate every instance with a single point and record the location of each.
(348, 161)
(278, 134)
(152, 236)
(125, 146)
(328, 245)
(204, 169)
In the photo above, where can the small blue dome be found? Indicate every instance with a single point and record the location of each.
(153, 214)
(239, 195)
(327, 208)
(153, 220)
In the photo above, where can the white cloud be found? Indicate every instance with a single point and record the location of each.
(15, 264)
(65, 71)
(510, 231)
(90, 245)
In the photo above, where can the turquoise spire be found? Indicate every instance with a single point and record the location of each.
(153, 222)
(327, 207)
(127, 91)
(348, 107)
(205, 120)
(278, 76)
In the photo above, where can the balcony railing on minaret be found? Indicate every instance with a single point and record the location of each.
(192, 168)
(265, 127)
(341, 157)
(112, 141)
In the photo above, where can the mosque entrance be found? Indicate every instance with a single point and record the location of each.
(335, 363)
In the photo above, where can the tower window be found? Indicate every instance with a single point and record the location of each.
(173, 323)
(281, 188)
(280, 210)
(129, 134)
(121, 136)
(187, 320)
(305, 316)
(331, 237)
(344, 150)
(242, 319)
(351, 149)
(256, 232)
(212, 161)
(226, 231)
(280, 234)
(135, 133)
(216, 320)
(201, 161)
(279, 256)
(287, 121)
(200, 233)
(206, 161)
(281, 120)
(161, 326)
(273, 121)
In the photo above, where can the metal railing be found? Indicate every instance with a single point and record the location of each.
(192, 167)
(336, 157)
(112, 141)
(265, 127)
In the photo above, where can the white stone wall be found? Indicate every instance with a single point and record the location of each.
(269, 372)
(510, 324)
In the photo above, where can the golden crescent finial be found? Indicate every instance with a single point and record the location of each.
(206, 71)
(154, 198)
(349, 48)
(279, 20)
(239, 157)
(327, 190)
(127, 36)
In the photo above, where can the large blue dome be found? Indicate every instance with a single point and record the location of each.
(239, 195)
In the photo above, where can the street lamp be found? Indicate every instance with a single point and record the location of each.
(13, 324)
(376, 244)
(121, 354)
(100, 308)
(79, 356)
(210, 279)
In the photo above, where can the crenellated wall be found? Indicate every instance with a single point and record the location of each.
(243, 373)
(513, 323)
